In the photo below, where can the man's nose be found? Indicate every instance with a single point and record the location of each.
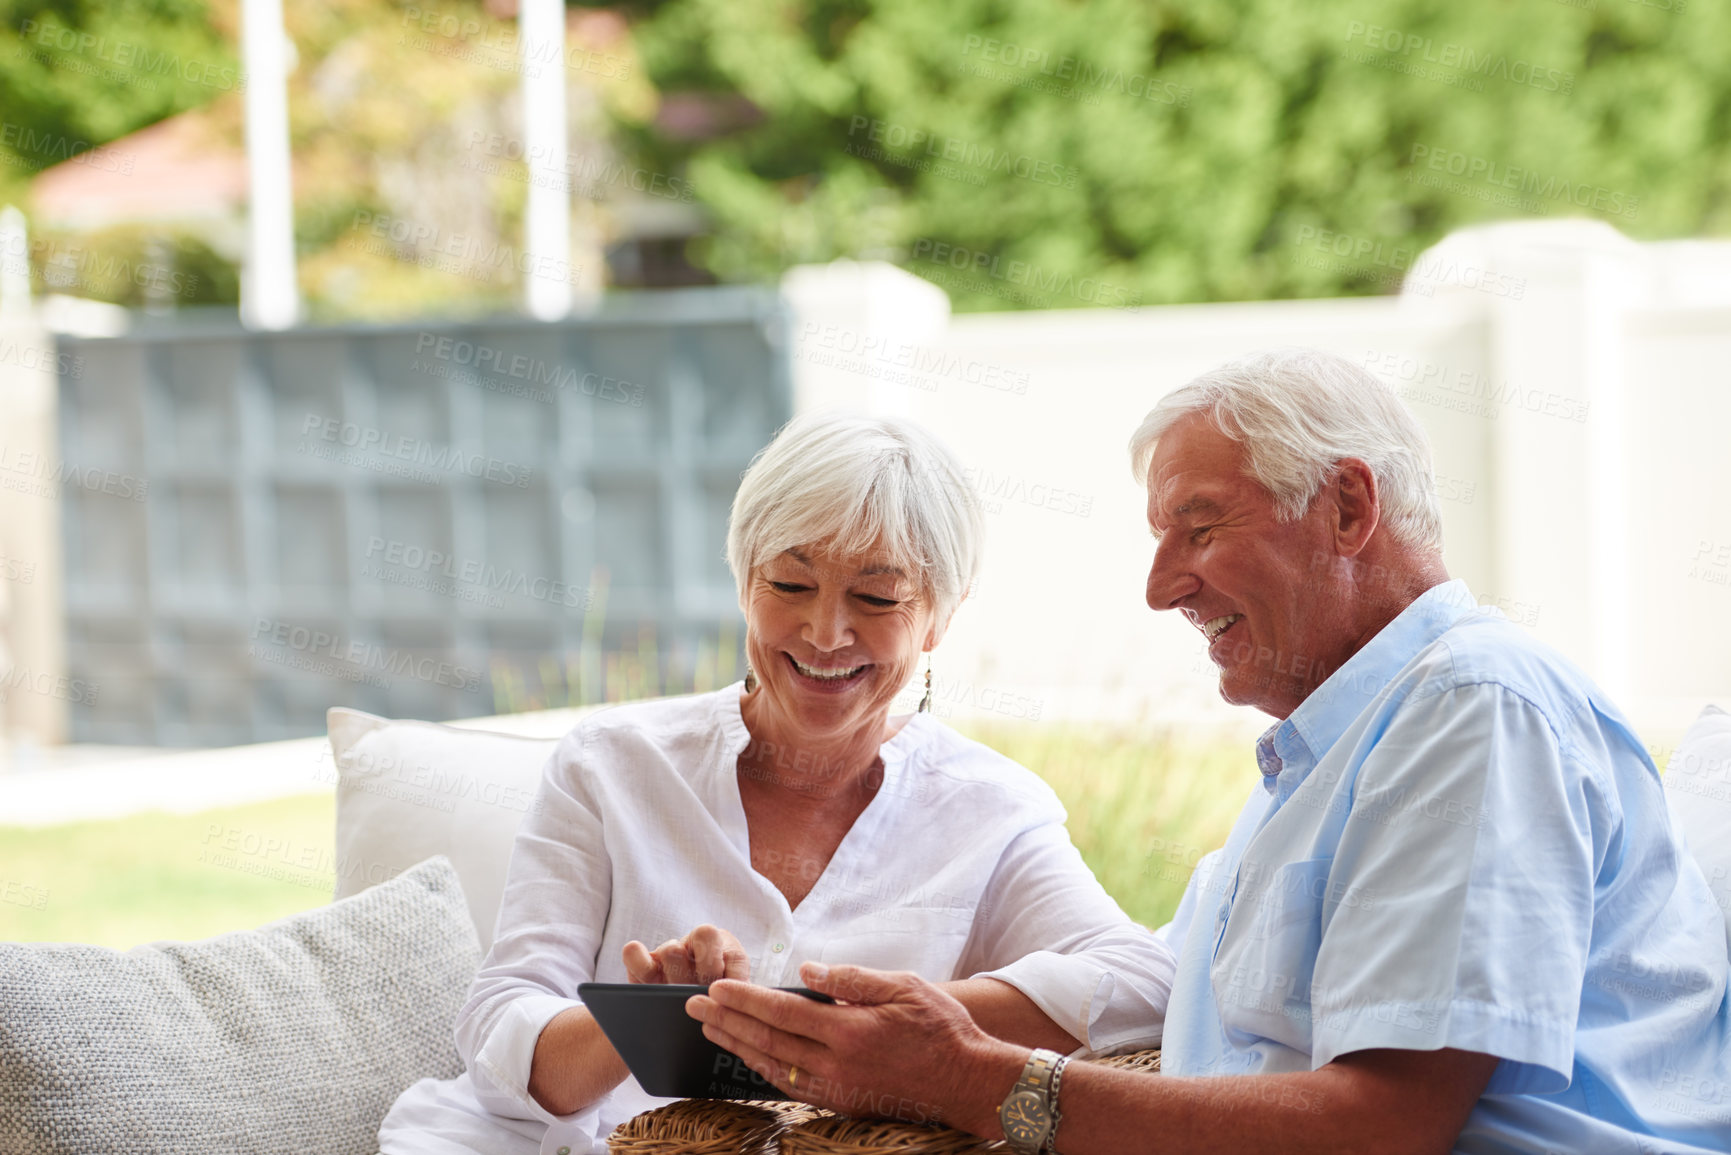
(1169, 582)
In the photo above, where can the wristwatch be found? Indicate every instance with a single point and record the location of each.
(1029, 1113)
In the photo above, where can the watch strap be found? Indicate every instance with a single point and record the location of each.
(1036, 1079)
(1037, 1071)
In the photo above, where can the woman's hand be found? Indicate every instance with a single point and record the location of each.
(703, 956)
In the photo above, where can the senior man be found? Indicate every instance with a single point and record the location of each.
(1452, 914)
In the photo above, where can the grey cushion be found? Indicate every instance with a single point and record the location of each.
(295, 1037)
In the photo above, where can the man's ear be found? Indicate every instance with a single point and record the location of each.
(1357, 505)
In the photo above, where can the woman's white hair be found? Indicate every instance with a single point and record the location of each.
(1298, 412)
(857, 482)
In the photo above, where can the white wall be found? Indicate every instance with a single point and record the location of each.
(1570, 380)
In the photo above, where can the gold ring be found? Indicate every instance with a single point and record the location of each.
(793, 1076)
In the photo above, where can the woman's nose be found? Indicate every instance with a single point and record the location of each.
(829, 627)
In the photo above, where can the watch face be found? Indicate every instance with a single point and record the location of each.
(1024, 1117)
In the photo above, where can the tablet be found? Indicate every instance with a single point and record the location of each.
(665, 1048)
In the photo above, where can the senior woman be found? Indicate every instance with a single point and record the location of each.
(788, 819)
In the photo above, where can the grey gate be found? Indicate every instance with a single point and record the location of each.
(434, 521)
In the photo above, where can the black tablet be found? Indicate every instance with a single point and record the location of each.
(664, 1046)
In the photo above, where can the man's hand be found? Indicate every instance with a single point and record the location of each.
(703, 956)
(894, 1048)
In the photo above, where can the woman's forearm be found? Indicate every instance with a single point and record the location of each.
(574, 1064)
(1002, 1010)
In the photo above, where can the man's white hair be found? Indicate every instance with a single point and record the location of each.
(855, 482)
(1298, 412)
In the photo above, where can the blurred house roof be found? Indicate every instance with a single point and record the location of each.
(177, 170)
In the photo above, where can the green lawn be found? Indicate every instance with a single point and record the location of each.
(154, 876)
(1142, 809)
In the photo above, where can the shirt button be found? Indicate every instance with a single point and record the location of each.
(564, 1151)
(779, 947)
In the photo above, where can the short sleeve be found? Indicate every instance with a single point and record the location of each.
(1457, 910)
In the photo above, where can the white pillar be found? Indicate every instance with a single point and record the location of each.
(268, 299)
(33, 617)
(1557, 294)
(547, 283)
(856, 324)
(14, 263)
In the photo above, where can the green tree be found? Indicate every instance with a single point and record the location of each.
(1020, 151)
(76, 74)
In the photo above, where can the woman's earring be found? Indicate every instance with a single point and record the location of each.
(926, 702)
(750, 678)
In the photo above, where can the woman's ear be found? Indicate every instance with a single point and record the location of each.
(938, 629)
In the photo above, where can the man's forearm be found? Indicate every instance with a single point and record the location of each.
(1006, 1013)
(574, 1064)
(1393, 1102)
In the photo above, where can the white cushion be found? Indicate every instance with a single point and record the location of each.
(1698, 791)
(408, 790)
(287, 1040)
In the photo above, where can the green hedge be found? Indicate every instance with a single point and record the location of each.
(1049, 153)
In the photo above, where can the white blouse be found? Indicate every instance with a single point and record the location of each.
(960, 866)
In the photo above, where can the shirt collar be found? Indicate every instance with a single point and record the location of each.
(1288, 749)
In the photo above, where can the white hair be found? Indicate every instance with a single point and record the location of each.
(855, 483)
(1298, 412)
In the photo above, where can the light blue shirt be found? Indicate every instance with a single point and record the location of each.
(1457, 842)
